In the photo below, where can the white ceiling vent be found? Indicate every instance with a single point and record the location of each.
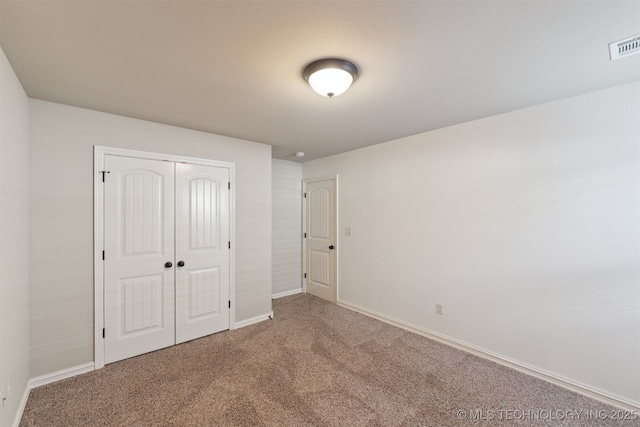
(624, 48)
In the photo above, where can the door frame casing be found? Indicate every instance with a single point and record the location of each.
(336, 275)
(99, 153)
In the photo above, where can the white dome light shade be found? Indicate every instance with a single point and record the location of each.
(330, 82)
(330, 77)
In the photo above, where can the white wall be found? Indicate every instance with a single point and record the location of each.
(14, 239)
(287, 227)
(61, 264)
(525, 226)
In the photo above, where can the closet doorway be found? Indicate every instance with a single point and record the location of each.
(163, 247)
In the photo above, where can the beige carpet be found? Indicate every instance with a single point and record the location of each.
(315, 364)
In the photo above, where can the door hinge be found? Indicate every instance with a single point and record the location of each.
(229, 245)
(103, 333)
(103, 255)
(229, 186)
(103, 174)
(305, 236)
(305, 275)
(305, 195)
(229, 303)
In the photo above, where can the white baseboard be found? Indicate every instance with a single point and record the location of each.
(46, 379)
(286, 293)
(253, 320)
(535, 372)
(21, 406)
(61, 375)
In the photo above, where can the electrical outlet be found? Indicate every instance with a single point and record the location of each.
(3, 396)
(347, 231)
(438, 308)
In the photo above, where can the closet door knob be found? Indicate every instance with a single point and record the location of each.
(168, 264)
(180, 263)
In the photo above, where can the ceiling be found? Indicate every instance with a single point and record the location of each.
(234, 67)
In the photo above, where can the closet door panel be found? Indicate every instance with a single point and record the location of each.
(139, 241)
(202, 251)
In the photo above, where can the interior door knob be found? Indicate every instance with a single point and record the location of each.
(331, 247)
(180, 263)
(168, 264)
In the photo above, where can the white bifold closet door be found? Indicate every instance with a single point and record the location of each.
(166, 254)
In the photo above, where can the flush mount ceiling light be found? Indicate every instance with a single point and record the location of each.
(330, 76)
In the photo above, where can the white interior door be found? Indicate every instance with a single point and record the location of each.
(167, 254)
(202, 251)
(139, 241)
(321, 239)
